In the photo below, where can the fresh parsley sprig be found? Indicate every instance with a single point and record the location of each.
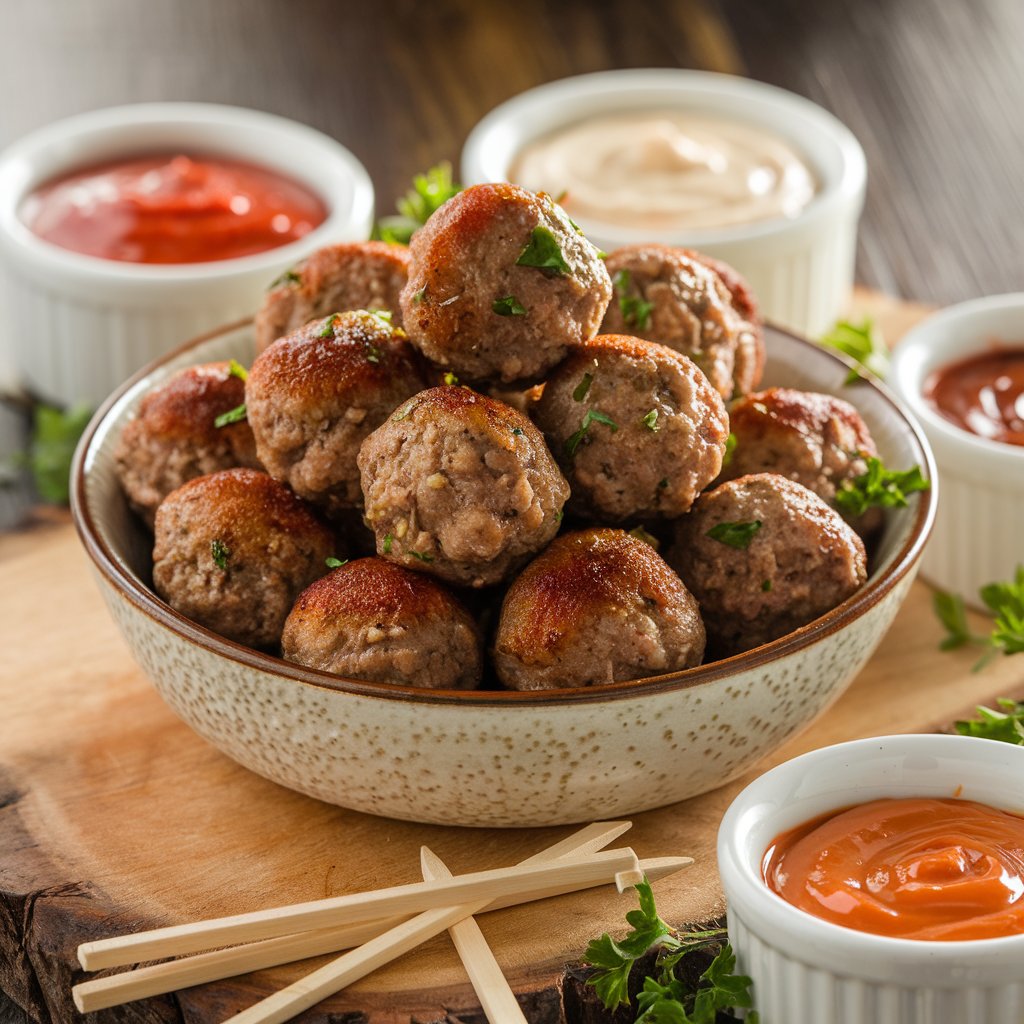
(55, 433)
(636, 310)
(863, 343)
(429, 192)
(592, 416)
(736, 535)
(879, 487)
(666, 998)
(544, 253)
(1006, 602)
(1006, 726)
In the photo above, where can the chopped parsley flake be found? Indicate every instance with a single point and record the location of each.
(335, 563)
(235, 415)
(383, 315)
(386, 546)
(730, 446)
(419, 296)
(509, 305)
(636, 311)
(543, 252)
(327, 331)
(766, 585)
(583, 387)
(650, 421)
(663, 483)
(236, 369)
(592, 416)
(450, 379)
(422, 556)
(736, 535)
(221, 553)
(373, 354)
(517, 431)
(288, 277)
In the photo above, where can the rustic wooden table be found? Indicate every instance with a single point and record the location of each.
(933, 90)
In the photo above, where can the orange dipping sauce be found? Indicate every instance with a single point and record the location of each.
(940, 870)
(172, 209)
(983, 394)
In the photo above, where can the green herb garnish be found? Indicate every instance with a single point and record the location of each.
(736, 535)
(335, 563)
(386, 546)
(1004, 600)
(51, 448)
(665, 998)
(879, 487)
(372, 354)
(236, 369)
(422, 556)
(383, 315)
(403, 412)
(636, 311)
(1006, 725)
(221, 553)
(543, 252)
(730, 446)
(863, 343)
(235, 415)
(517, 431)
(429, 192)
(509, 305)
(450, 379)
(663, 483)
(581, 389)
(650, 421)
(592, 416)
(766, 585)
(288, 277)
(327, 331)
(418, 297)
(648, 538)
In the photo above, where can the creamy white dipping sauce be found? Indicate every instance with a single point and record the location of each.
(667, 169)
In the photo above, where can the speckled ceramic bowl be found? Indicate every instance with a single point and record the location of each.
(496, 758)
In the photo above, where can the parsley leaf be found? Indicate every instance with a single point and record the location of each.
(327, 331)
(863, 343)
(386, 546)
(953, 615)
(879, 487)
(650, 421)
(235, 415)
(288, 277)
(450, 379)
(220, 552)
(581, 389)
(55, 434)
(335, 563)
(418, 297)
(1004, 600)
(1006, 725)
(509, 305)
(543, 252)
(636, 311)
(236, 369)
(592, 416)
(736, 535)
(429, 192)
(422, 556)
(730, 446)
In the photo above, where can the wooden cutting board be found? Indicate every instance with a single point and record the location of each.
(115, 816)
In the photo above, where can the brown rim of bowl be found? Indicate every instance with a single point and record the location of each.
(853, 607)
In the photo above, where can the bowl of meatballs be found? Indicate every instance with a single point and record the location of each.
(498, 529)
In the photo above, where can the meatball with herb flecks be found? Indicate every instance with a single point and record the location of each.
(460, 486)
(501, 285)
(352, 275)
(597, 606)
(636, 427)
(677, 298)
(175, 436)
(234, 549)
(764, 556)
(817, 440)
(372, 619)
(313, 396)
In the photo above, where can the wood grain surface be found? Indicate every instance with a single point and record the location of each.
(114, 816)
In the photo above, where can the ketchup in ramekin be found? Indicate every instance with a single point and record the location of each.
(172, 208)
(983, 394)
(919, 868)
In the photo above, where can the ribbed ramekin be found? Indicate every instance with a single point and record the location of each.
(979, 523)
(76, 325)
(809, 971)
(801, 269)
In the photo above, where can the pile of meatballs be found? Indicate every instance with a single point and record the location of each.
(499, 458)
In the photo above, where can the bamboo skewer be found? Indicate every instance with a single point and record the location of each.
(492, 988)
(620, 866)
(115, 989)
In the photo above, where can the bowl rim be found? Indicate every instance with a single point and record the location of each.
(826, 937)
(66, 135)
(147, 602)
(811, 119)
(909, 372)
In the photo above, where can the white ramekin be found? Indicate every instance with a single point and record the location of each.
(76, 325)
(801, 270)
(809, 971)
(979, 524)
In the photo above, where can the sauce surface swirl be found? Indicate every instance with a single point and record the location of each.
(983, 394)
(667, 170)
(920, 868)
(172, 208)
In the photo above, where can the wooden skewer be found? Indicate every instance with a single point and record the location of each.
(115, 989)
(620, 866)
(490, 984)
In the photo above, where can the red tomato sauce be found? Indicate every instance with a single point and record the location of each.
(172, 209)
(940, 870)
(983, 394)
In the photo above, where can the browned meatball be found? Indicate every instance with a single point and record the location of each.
(374, 620)
(174, 437)
(677, 297)
(234, 549)
(353, 275)
(461, 486)
(501, 284)
(636, 427)
(314, 395)
(817, 440)
(598, 606)
(763, 556)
